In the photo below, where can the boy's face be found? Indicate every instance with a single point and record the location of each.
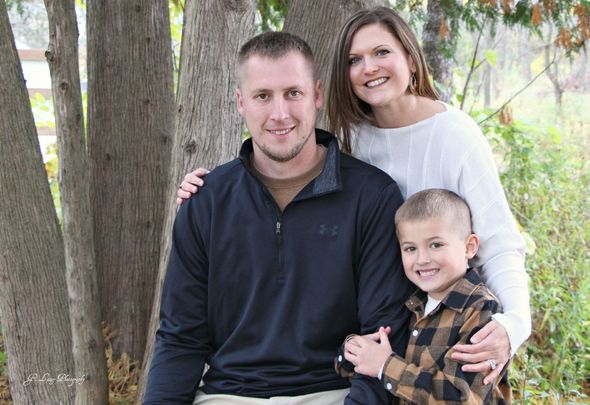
(434, 254)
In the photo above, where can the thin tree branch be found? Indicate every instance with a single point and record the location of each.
(498, 40)
(519, 91)
(472, 68)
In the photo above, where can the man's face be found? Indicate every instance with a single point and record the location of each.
(278, 99)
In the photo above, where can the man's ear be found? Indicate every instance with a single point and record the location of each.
(471, 246)
(239, 101)
(319, 94)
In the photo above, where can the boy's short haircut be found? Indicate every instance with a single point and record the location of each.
(436, 203)
(275, 45)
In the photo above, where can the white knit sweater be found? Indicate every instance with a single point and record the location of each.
(449, 151)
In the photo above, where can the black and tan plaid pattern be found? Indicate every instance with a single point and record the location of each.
(428, 375)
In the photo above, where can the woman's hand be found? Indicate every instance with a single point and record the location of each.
(489, 351)
(190, 185)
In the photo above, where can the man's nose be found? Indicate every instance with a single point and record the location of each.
(280, 109)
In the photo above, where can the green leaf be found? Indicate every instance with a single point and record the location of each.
(531, 246)
(555, 135)
(491, 57)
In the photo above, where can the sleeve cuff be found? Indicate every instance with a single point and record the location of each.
(518, 330)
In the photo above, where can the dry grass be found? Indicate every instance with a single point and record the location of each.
(123, 374)
(5, 398)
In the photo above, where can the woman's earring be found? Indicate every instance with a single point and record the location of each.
(413, 84)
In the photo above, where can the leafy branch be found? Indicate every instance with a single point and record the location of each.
(521, 90)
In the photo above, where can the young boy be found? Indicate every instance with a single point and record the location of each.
(434, 232)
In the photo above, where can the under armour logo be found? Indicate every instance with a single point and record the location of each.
(327, 230)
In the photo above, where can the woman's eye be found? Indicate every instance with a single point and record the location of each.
(382, 52)
(409, 249)
(353, 60)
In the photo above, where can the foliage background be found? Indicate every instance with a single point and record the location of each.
(543, 151)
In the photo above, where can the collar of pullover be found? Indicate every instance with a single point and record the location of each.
(329, 179)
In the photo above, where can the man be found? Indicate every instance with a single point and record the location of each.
(284, 252)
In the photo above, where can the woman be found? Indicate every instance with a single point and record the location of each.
(385, 110)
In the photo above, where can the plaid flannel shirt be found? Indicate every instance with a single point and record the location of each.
(428, 375)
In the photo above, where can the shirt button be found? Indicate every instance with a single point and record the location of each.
(340, 359)
(415, 332)
(389, 386)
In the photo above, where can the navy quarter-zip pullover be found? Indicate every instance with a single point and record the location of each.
(266, 297)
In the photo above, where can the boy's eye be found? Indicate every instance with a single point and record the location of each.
(435, 245)
(353, 60)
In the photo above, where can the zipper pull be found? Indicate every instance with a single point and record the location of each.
(278, 231)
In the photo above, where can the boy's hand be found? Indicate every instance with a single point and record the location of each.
(368, 353)
(376, 337)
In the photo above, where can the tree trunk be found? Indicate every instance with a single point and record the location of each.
(487, 86)
(130, 104)
(553, 71)
(88, 346)
(318, 23)
(440, 66)
(208, 127)
(33, 296)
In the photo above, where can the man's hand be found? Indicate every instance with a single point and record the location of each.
(368, 353)
(490, 347)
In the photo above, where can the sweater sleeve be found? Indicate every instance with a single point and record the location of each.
(502, 247)
(182, 340)
(382, 287)
(444, 383)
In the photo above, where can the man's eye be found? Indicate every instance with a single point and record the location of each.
(294, 93)
(261, 97)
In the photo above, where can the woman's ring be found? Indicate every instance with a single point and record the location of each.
(492, 364)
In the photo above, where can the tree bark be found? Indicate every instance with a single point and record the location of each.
(130, 104)
(208, 127)
(88, 345)
(553, 71)
(33, 296)
(318, 23)
(440, 66)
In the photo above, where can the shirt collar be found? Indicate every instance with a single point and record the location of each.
(329, 179)
(458, 297)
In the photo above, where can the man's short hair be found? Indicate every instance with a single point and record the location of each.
(275, 45)
(436, 203)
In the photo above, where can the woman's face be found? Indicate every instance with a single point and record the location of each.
(379, 66)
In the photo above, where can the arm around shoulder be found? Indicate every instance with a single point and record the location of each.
(502, 250)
